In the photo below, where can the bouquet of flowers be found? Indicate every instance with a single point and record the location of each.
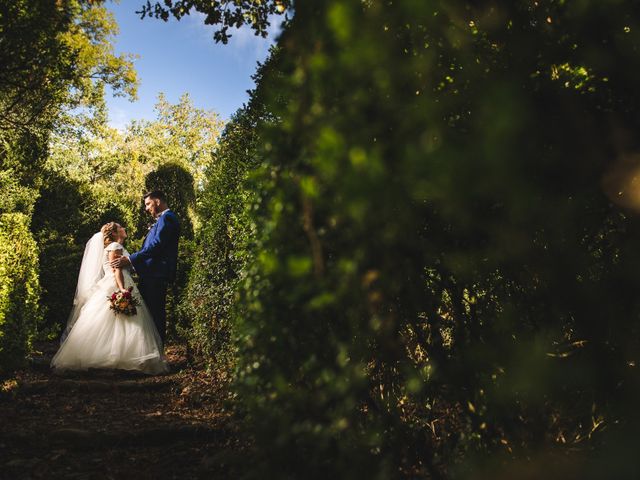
(124, 302)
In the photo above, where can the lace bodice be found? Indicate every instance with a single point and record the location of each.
(105, 256)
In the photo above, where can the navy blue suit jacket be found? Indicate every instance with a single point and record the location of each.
(158, 256)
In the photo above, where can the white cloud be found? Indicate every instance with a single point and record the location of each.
(244, 46)
(119, 118)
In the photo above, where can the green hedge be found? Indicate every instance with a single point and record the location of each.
(178, 320)
(440, 281)
(20, 315)
(222, 252)
(60, 261)
(15, 197)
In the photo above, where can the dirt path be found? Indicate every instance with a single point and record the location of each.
(113, 425)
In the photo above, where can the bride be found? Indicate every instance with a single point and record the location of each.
(98, 337)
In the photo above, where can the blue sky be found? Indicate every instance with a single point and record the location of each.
(181, 56)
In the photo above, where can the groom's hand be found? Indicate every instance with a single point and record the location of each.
(120, 262)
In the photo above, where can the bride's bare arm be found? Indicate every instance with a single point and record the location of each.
(113, 255)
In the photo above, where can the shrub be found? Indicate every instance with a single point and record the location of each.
(179, 320)
(60, 260)
(222, 242)
(15, 197)
(20, 315)
(62, 207)
(434, 244)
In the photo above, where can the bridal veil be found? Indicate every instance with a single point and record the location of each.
(91, 272)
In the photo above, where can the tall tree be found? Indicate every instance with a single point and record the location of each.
(57, 58)
(181, 133)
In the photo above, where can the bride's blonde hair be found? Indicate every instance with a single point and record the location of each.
(109, 233)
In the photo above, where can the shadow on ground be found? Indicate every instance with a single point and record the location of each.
(114, 424)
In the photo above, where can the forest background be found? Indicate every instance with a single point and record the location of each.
(413, 252)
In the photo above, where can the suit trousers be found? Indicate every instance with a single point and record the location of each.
(154, 293)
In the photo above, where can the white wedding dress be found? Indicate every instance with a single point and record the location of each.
(96, 336)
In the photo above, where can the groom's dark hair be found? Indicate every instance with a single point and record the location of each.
(156, 194)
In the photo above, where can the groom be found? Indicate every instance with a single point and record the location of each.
(157, 261)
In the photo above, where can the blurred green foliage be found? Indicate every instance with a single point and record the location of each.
(439, 274)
